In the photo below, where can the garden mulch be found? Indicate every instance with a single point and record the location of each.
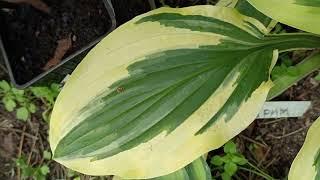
(272, 144)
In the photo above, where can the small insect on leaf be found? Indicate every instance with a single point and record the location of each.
(120, 89)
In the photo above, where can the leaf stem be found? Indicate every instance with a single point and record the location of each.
(292, 41)
(255, 172)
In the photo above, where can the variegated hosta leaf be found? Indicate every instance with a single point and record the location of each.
(227, 3)
(301, 14)
(307, 163)
(245, 8)
(197, 170)
(163, 89)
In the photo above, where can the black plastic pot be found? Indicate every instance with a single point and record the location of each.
(127, 9)
(66, 66)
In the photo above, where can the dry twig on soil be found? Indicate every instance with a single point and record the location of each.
(289, 134)
(38, 4)
(20, 150)
(63, 46)
(19, 131)
(253, 141)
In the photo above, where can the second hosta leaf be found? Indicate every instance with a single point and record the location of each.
(197, 170)
(307, 162)
(301, 14)
(162, 90)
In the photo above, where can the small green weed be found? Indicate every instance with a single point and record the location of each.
(232, 161)
(17, 100)
(27, 171)
(23, 101)
(48, 96)
(285, 68)
(47, 155)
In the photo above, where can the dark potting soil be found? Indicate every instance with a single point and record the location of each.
(183, 3)
(127, 9)
(31, 36)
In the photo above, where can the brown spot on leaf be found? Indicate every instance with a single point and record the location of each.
(120, 89)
